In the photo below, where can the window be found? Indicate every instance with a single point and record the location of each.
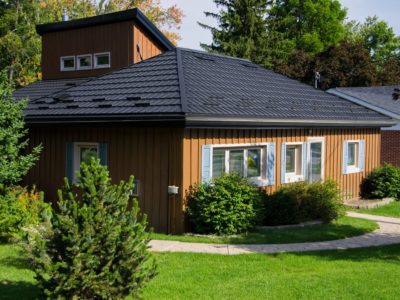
(67, 63)
(83, 152)
(102, 60)
(253, 161)
(353, 156)
(293, 162)
(84, 62)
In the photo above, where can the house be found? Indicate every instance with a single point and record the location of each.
(115, 88)
(385, 100)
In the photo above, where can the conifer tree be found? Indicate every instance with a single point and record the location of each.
(98, 245)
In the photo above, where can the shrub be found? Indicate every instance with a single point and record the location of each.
(382, 182)
(98, 245)
(228, 205)
(301, 202)
(21, 209)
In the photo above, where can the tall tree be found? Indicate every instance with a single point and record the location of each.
(314, 25)
(241, 29)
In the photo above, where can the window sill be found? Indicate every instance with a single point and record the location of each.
(259, 182)
(294, 178)
(352, 170)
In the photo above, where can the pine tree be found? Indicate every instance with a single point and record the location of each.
(97, 247)
(241, 29)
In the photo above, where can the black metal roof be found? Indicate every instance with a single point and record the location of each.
(126, 15)
(199, 88)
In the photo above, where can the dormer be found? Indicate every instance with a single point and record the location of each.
(93, 46)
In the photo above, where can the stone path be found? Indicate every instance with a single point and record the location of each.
(388, 233)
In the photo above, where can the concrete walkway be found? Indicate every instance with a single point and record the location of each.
(388, 233)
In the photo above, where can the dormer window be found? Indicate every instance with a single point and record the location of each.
(67, 63)
(84, 62)
(102, 60)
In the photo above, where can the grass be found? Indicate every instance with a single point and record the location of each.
(370, 273)
(344, 227)
(389, 210)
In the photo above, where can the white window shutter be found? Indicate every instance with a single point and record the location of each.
(345, 156)
(361, 156)
(283, 163)
(206, 163)
(304, 160)
(271, 163)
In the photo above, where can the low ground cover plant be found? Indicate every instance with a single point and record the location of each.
(382, 182)
(97, 245)
(301, 202)
(227, 205)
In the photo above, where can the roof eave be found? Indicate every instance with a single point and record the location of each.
(237, 122)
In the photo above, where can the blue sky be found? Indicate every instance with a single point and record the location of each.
(193, 35)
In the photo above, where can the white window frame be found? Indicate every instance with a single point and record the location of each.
(353, 168)
(64, 69)
(96, 66)
(258, 181)
(77, 161)
(78, 63)
(293, 177)
(309, 142)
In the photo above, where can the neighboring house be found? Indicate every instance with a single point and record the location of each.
(183, 117)
(385, 100)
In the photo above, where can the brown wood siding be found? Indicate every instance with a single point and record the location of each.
(152, 155)
(120, 39)
(349, 184)
(148, 45)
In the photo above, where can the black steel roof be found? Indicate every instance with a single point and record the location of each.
(198, 88)
(126, 15)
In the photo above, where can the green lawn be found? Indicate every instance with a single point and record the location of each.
(344, 227)
(371, 273)
(389, 210)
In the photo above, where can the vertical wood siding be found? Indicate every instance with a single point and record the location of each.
(120, 39)
(349, 184)
(152, 155)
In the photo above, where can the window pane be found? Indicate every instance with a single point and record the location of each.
(236, 161)
(87, 153)
(351, 154)
(253, 163)
(85, 61)
(218, 162)
(290, 159)
(68, 62)
(316, 161)
(103, 60)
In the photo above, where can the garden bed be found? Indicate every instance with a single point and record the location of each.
(343, 228)
(367, 203)
(389, 210)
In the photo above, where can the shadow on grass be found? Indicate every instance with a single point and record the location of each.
(15, 262)
(18, 290)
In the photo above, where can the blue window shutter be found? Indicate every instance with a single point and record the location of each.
(206, 172)
(271, 164)
(103, 154)
(283, 163)
(345, 149)
(361, 156)
(304, 158)
(69, 167)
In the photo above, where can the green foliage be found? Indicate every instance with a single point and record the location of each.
(241, 29)
(382, 182)
(301, 202)
(97, 247)
(13, 164)
(227, 205)
(20, 211)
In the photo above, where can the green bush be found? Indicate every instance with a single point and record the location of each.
(301, 202)
(228, 205)
(20, 210)
(382, 182)
(97, 247)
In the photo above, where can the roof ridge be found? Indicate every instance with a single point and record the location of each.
(181, 79)
(215, 54)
